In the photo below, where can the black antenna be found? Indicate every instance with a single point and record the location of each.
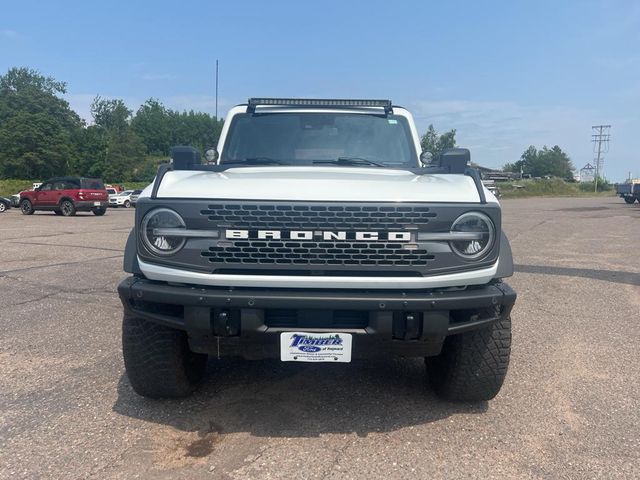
(216, 90)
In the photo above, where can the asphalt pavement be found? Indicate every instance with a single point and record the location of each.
(570, 406)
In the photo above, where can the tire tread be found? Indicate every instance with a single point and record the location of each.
(158, 360)
(472, 365)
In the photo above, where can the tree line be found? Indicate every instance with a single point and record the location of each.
(41, 136)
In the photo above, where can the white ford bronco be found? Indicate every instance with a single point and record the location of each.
(318, 232)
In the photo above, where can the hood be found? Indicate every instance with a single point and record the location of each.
(318, 184)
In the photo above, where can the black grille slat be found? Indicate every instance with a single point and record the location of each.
(317, 252)
(350, 253)
(318, 217)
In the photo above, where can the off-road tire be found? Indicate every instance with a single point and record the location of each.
(67, 208)
(26, 207)
(99, 211)
(472, 365)
(629, 200)
(127, 204)
(158, 360)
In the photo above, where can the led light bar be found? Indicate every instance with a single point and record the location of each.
(318, 103)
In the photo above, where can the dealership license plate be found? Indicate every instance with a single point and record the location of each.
(96, 204)
(315, 347)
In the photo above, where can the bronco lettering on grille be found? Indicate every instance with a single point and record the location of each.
(398, 236)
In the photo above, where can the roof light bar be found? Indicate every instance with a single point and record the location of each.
(318, 103)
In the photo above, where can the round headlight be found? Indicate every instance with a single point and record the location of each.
(156, 231)
(479, 238)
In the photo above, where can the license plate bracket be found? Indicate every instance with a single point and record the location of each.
(332, 347)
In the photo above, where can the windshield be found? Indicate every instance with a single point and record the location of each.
(308, 138)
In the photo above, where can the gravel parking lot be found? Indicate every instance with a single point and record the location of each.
(570, 407)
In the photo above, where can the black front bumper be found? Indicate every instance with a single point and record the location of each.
(247, 322)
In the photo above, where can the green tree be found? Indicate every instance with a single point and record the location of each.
(539, 163)
(153, 123)
(161, 128)
(38, 130)
(111, 148)
(435, 143)
(197, 129)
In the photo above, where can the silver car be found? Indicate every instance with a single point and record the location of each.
(133, 198)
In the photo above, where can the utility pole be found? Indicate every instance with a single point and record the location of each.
(216, 90)
(600, 138)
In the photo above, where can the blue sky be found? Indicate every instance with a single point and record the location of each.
(504, 74)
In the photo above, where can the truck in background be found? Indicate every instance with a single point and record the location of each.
(629, 191)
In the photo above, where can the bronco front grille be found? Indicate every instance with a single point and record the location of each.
(317, 252)
(353, 217)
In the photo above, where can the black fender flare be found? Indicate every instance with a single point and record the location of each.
(130, 260)
(505, 259)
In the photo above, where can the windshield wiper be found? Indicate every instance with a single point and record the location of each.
(350, 161)
(257, 161)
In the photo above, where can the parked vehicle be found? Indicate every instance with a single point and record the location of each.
(492, 187)
(116, 188)
(322, 234)
(629, 191)
(5, 204)
(66, 196)
(134, 197)
(122, 199)
(15, 200)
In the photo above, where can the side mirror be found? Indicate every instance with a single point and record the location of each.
(456, 160)
(184, 158)
(211, 155)
(426, 158)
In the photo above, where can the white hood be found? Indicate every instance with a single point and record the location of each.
(319, 184)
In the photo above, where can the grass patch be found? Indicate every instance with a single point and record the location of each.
(548, 188)
(9, 187)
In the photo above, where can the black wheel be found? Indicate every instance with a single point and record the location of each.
(127, 204)
(67, 208)
(3, 207)
(472, 366)
(158, 360)
(26, 207)
(99, 211)
(629, 199)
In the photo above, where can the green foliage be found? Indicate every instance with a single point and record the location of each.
(540, 163)
(554, 187)
(435, 143)
(603, 186)
(161, 128)
(152, 123)
(41, 137)
(11, 187)
(37, 128)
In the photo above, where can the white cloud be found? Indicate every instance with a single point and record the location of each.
(10, 34)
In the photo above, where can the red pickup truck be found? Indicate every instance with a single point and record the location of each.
(66, 196)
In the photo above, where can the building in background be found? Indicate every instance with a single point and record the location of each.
(587, 173)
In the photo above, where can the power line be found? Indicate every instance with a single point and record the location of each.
(600, 138)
